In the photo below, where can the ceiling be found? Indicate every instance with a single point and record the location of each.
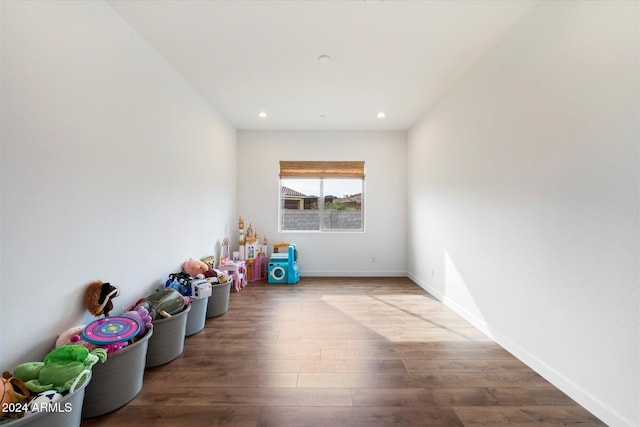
(393, 56)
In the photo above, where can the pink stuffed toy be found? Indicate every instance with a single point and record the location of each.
(72, 336)
(194, 267)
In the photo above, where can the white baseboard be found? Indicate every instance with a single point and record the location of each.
(469, 317)
(590, 402)
(584, 398)
(426, 286)
(353, 273)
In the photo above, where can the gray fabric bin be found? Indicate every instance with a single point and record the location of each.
(118, 380)
(219, 300)
(167, 342)
(67, 412)
(197, 316)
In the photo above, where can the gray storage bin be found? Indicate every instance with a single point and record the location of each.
(72, 403)
(118, 380)
(197, 316)
(219, 300)
(167, 342)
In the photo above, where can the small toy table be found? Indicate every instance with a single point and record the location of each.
(238, 271)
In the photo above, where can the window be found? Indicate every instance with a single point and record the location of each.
(321, 196)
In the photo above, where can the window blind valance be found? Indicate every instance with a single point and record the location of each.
(318, 169)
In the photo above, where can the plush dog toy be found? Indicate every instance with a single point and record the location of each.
(194, 267)
(12, 390)
(98, 297)
(63, 369)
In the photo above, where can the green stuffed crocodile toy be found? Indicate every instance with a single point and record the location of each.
(61, 368)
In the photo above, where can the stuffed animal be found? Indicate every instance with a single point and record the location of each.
(12, 390)
(194, 267)
(216, 276)
(213, 273)
(41, 402)
(163, 303)
(74, 336)
(63, 369)
(209, 260)
(98, 297)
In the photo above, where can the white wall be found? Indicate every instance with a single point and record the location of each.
(339, 253)
(110, 169)
(524, 192)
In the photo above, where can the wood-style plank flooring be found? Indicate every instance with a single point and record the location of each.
(344, 352)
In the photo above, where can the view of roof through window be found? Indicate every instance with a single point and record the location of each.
(333, 187)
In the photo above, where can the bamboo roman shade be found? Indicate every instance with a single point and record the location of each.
(301, 169)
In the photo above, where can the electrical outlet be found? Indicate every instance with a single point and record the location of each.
(373, 259)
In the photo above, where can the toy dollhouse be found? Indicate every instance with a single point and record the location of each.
(252, 252)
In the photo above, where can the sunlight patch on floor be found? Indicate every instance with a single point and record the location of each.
(405, 318)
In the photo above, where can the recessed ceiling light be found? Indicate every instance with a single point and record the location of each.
(262, 114)
(324, 58)
(381, 115)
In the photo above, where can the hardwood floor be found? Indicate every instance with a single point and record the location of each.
(344, 352)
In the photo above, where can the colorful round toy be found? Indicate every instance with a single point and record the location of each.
(110, 330)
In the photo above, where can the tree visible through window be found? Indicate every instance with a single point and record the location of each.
(321, 196)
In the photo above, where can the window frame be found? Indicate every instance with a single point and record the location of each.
(322, 171)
